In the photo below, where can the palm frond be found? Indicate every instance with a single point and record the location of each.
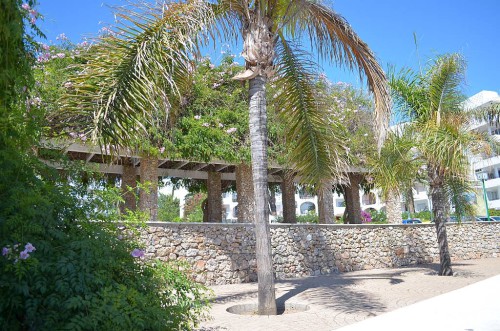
(333, 38)
(315, 146)
(408, 96)
(134, 73)
(445, 77)
(459, 191)
(397, 166)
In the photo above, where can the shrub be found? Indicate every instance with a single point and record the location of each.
(310, 217)
(378, 217)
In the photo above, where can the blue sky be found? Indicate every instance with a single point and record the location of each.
(441, 26)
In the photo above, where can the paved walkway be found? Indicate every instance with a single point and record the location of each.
(343, 300)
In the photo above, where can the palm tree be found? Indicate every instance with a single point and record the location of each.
(139, 67)
(395, 169)
(440, 130)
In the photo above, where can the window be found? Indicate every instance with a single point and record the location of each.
(339, 203)
(492, 195)
(235, 197)
(307, 207)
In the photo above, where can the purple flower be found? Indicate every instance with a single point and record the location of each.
(60, 55)
(206, 125)
(29, 248)
(5, 251)
(25, 6)
(24, 255)
(137, 253)
(231, 130)
(197, 117)
(162, 149)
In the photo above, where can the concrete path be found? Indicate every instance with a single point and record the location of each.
(344, 299)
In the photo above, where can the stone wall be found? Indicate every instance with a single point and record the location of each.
(225, 253)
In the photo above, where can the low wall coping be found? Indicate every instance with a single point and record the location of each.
(284, 225)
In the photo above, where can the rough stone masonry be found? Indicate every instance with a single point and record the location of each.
(225, 253)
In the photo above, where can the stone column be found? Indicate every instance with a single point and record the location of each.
(352, 200)
(148, 198)
(325, 204)
(214, 198)
(244, 188)
(288, 198)
(129, 185)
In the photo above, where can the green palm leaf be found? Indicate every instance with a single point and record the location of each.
(314, 144)
(136, 73)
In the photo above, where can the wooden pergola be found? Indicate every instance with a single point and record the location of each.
(129, 165)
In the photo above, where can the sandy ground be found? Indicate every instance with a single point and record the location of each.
(342, 299)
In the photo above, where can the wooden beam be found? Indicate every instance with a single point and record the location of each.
(180, 164)
(89, 157)
(200, 166)
(221, 167)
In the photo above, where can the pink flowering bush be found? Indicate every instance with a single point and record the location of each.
(365, 217)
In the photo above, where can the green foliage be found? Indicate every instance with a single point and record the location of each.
(310, 217)
(168, 208)
(82, 275)
(214, 121)
(494, 212)
(424, 216)
(65, 264)
(378, 217)
(193, 211)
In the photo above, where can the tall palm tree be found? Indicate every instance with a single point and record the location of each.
(440, 129)
(141, 63)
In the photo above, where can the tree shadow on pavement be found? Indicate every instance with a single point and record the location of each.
(343, 292)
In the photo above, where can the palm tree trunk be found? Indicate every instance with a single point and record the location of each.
(410, 202)
(393, 207)
(129, 183)
(258, 139)
(439, 210)
(148, 195)
(325, 204)
(288, 198)
(244, 187)
(214, 197)
(352, 200)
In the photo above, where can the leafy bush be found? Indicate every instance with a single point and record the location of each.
(65, 264)
(168, 208)
(424, 216)
(378, 217)
(193, 211)
(310, 217)
(81, 274)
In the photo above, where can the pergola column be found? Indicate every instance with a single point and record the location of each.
(288, 198)
(148, 198)
(214, 197)
(325, 204)
(244, 189)
(129, 185)
(352, 200)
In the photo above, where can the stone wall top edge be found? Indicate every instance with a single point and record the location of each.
(222, 225)
(283, 225)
